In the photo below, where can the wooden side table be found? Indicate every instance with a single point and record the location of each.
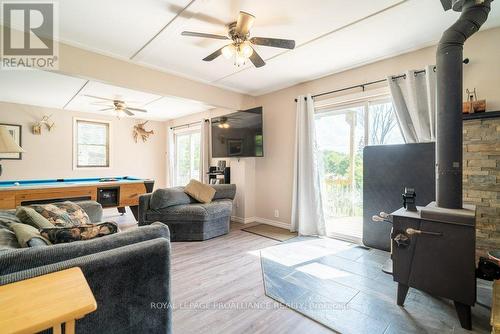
(45, 302)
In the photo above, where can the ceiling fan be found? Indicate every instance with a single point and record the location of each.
(113, 104)
(242, 47)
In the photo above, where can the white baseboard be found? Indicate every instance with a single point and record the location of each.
(273, 223)
(243, 220)
(260, 221)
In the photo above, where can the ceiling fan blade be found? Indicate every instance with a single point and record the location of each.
(137, 109)
(244, 23)
(274, 42)
(214, 55)
(106, 109)
(99, 98)
(128, 112)
(256, 59)
(201, 34)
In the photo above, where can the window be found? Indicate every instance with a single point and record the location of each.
(91, 143)
(187, 156)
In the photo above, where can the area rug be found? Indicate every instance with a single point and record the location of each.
(272, 232)
(342, 286)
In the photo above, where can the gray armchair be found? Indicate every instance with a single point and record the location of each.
(127, 272)
(187, 219)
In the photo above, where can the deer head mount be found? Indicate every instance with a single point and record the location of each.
(37, 127)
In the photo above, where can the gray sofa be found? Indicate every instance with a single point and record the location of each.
(187, 219)
(127, 272)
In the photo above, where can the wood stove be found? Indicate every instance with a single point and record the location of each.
(433, 250)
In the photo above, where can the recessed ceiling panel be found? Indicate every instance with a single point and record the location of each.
(118, 27)
(40, 88)
(96, 97)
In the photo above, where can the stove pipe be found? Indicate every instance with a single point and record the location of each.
(449, 125)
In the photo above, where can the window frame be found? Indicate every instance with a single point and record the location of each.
(365, 99)
(178, 132)
(76, 120)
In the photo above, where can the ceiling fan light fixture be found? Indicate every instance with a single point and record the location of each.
(246, 49)
(240, 60)
(229, 51)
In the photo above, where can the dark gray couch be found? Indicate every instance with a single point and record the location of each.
(127, 272)
(187, 219)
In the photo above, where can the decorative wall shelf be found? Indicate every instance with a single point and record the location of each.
(481, 115)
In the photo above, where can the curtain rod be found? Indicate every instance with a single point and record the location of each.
(187, 125)
(362, 86)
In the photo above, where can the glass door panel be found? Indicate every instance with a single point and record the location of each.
(340, 141)
(187, 157)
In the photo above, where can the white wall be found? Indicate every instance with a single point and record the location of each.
(50, 155)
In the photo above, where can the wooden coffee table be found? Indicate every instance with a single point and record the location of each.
(44, 302)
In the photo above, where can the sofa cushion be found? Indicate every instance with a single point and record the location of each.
(164, 198)
(192, 212)
(203, 193)
(29, 216)
(64, 214)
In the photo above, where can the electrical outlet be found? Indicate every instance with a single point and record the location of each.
(276, 213)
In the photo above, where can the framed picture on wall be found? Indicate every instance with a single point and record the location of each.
(15, 131)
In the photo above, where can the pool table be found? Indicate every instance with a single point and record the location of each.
(116, 192)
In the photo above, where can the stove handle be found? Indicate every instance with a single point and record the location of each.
(411, 231)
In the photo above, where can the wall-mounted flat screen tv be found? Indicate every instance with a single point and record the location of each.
(238, 135)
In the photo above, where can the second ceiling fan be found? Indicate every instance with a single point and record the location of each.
(241, 49)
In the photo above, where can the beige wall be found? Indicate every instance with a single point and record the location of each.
(274, 172)
(50, 155)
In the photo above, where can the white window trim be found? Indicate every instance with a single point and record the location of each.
(182, 131)
(75, 144)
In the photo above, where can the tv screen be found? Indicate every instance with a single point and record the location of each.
(238, 134)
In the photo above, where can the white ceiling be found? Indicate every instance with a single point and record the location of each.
(53, 90)
(331, 35)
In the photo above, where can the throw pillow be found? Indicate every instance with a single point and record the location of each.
(64, 214)
(25, 233)
(201, 192)
(59, 235)
(29, 216)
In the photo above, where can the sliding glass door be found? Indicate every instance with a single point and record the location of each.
(187, 156)
(342, 133)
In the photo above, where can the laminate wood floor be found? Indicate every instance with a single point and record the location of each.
(217, 286)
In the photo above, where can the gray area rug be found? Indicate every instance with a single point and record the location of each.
(341, 286)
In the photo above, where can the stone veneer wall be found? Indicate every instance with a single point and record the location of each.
(482, 179)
